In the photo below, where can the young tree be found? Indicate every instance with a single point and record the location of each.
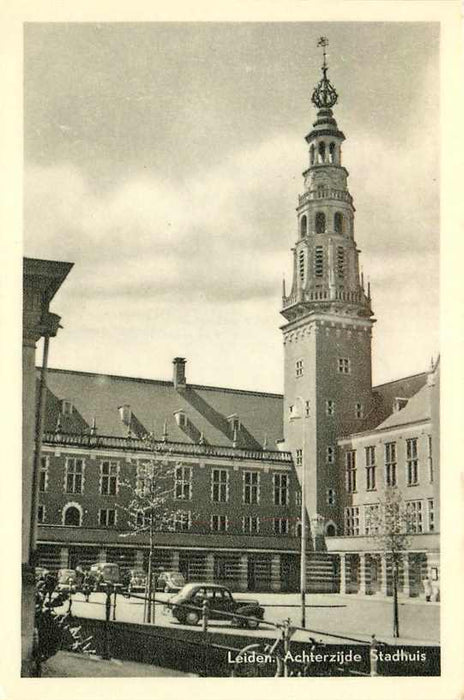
(390, 523)
(150, 508)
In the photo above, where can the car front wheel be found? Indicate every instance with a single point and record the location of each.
(191, 617)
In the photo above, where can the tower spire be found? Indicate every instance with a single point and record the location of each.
(324, 94)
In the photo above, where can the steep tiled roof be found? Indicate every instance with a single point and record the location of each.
(153, 403)
(417, 409)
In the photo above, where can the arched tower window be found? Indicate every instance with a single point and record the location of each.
(338, 222)
(332, 152)
(320, 222)
(72, 515)
(304, 225)
(321, 152)
(312, 154)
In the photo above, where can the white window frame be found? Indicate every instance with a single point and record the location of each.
(412, 462)
(182, 517)
(330, 407)
(330, 454)
(44, 470)
(247, 521)
(391, 464)
(68, 460)
(299, 367)
(253, 489)
(351, 521)
(344, 365)
(72, 504)
(282, 490)
(224, 520)
(350, 471)
(330, 497)
(299, 457)
(278, 526)
(220, 484)
(110, 476)
(107, 510)
(183, 481)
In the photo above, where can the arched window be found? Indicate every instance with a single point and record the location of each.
(311, 154)
(72, 515)
(321, 151)
(332, 152)
(338, 222)
(330, 530)
(320, 222)
(304, 225)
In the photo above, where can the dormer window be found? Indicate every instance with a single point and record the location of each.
(234, 422)
(125, 414)
(399, 403)
(66, 407)
(181, 419)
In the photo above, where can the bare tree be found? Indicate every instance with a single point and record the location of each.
(390, 523)
(150, 508)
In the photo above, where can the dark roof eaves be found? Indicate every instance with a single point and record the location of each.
(401, 379)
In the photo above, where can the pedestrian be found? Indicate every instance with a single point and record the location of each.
(428, 589)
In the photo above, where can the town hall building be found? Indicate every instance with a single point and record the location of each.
(240, 459)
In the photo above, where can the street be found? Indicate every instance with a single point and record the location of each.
(352, 616)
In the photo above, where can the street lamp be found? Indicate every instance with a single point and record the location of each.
(297, 416)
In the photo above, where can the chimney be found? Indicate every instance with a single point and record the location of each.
(125, 414)
(179, 373)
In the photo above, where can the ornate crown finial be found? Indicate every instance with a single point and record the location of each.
(324, 94)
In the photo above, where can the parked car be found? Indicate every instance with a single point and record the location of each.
(104, 573)
(187, 605)
(67, 580)
(41, 573)
(170, 581)
(137, 580)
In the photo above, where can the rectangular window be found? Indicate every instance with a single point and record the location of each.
(250, 524)
(430, 459)
(298, 498)
(41, 514)
(390, 463)
(251, 488)
(74, 475)
(219, 523)
(359, 410)
(280, 489)
(330, 454)
(330, 497)
(412, 468)
(340, 262)
(281, 526)
(370, 468)
(371, 519)
(352, 521)
(182, 520)
(109, 478)
(43, 474)
(299, 368)
(330, 407)
(107, 517)
(319, 261)
(183, 483)
(431, 514)
(143, 518)
(307, 409)
(299, 458)
(220, 486)
(350, 458)
(414, 516)
(344, 365)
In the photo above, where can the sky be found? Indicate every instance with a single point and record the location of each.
(165, 161)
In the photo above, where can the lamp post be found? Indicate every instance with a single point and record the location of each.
(303, 513)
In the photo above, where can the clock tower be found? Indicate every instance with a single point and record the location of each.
(328, 329)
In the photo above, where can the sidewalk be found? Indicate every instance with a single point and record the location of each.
(66, 664)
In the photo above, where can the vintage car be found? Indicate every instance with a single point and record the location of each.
(67, 580)
(137, 580)
(187, 606)
(170, 581)
(104, 573)
(41, 573)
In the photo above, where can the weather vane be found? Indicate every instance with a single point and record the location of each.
(324, 94)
